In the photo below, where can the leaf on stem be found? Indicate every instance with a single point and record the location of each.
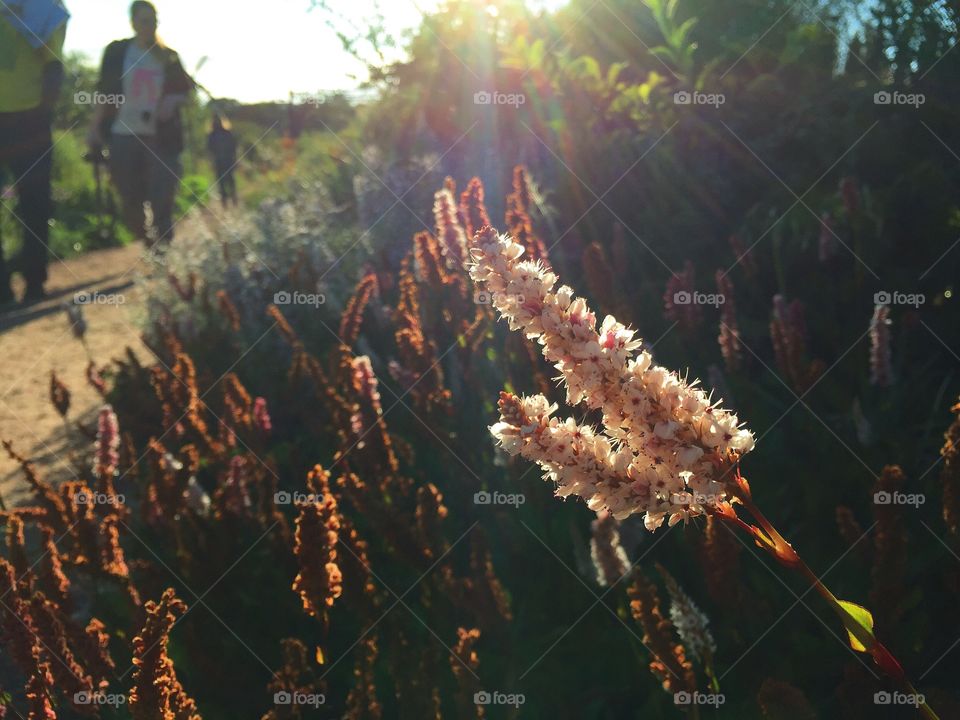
(857, 618)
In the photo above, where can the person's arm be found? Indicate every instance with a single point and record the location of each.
(52, 83)
(52, 80)
(177, 86)
(95, 138)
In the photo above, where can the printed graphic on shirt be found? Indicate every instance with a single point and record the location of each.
(142, 88)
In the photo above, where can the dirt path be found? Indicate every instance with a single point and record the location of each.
(37, 339)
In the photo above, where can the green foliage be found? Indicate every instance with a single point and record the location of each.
(79, 75)
(677, 49)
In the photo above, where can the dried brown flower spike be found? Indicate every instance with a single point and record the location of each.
(669, 663)
(156, 693)
(319, 581)
(950, 475)
(59, 395)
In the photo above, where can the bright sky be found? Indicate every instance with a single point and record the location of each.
(256, 50)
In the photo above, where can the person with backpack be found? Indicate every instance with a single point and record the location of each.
(143, 86)
(222, 145)
(31, 74)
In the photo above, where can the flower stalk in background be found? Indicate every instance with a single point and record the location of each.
(678, 305)
(107, 448)
(729, 337)
(157, 692)
(692, 625)
(319, 581)
(950, 474)
(669, 664)
(473, 208)
(788, 332)
(827, 246)
(665, 448)
(261, 417)
(519, 223)
(59, 396)
(607, 554)
(453, 240)
(881, 364)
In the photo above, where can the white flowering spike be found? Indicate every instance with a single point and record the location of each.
(608, 556)
(881, 363)
(665, 449)
(691, 622)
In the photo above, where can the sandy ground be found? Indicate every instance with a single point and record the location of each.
(37, 339)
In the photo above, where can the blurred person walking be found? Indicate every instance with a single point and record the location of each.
(143, 86)
(222, 144)
(31, 73)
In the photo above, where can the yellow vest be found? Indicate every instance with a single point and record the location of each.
(21, 67)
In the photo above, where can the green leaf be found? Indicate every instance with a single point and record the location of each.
(537, 51)
(613, 72)
(679, 37)
(860, 619)
(664, 53)
(586, 65)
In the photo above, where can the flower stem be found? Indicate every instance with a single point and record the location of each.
(773, 542)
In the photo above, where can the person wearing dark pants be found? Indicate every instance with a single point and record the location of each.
(147, 172)
(222, 145)
(31, 73)
(142, 87)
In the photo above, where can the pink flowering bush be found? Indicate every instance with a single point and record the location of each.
(666, 448)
